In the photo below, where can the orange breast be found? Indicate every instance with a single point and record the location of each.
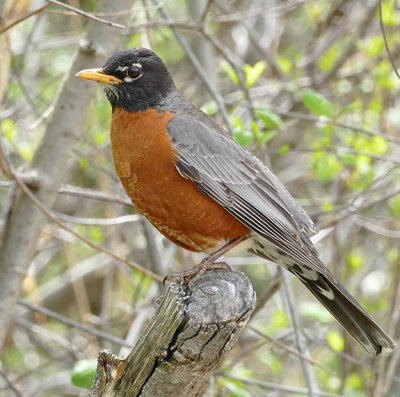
(145, 162)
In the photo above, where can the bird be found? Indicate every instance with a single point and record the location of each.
(205, 192)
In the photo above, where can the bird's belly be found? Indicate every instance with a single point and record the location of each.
(145, 162)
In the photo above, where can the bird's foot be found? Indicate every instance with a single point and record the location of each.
(194, 274)
(207, 263)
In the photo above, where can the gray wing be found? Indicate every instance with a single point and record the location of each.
(238, 181)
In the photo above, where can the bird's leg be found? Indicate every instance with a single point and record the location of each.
(207, 263)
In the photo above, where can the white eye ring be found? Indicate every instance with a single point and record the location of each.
(134, 71)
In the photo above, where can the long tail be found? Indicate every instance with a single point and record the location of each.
(349, 313)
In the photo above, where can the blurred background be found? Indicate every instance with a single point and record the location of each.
(307, 86)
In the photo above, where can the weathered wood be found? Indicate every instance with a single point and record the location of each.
(184, 342)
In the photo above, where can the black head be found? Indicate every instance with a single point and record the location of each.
(136, 79)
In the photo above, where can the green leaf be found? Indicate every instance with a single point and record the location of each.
(327, 207)
(394, 206)
(355, 260)
(353, 381)
(228, 69)
(253, 73)
(335, 340)
(329, 58)
(83, 373)
(96, 234)
(9, 129)
(100, 137)
(236, 387)
(26, 151)
(269, 119)
(317, 103)
(284, 64)
(284, 149)
(243, 137)
(266, 137)
(389, 15)
(348, 158)
(280, 319)
(326, 167)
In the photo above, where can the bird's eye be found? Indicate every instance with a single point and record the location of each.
(134, 71)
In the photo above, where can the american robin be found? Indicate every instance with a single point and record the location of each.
(206, 193)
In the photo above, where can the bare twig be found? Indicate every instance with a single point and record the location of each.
(99, 221)
(275, 386)
(86, 14)
(93, 195)
(299, 337)
(290, 350)
(199, 70)
(26, 16)
(72, 323)
(90, 243)
(385, 40)
(10, 384)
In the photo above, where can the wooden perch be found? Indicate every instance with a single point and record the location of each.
(184, 342)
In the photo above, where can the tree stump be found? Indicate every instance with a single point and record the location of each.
(185, 341)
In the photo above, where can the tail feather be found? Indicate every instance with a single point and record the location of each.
(336, 299)
(349, 313)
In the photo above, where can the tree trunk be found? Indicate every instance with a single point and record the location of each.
(50, 162)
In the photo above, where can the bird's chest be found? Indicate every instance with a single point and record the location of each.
(143, 155)
(145, 162)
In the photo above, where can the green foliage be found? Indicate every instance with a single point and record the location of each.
(242, 135)
(389, 15)
(235, 387)
(326, 166)
(270, 119)
(394, 206)
(284, 149)
(83, 373)
(284, 64)
(253, 73)
(354, 382)
(280, 319)
(355, 260)
(335, 340)
(327, 61)
(9, 129)
(228, 69)
(317, 103)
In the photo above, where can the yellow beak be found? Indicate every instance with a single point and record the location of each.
(98, 75)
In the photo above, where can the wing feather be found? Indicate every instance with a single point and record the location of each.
(238, 181)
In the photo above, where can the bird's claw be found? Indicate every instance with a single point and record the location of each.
(194, 274)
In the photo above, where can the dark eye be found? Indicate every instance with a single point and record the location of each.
(134, 71)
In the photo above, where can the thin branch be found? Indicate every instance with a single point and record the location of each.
(290, 350)
(196, 64)
(72, 323)
(26, 16)
(93, 195)
(118, 220)
(385, 40)
(87, 15)
(10, 384)
(298, 333)
(90, 243)
(275, 386)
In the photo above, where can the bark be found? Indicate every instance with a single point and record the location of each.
(185, 341)
(50, 162)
